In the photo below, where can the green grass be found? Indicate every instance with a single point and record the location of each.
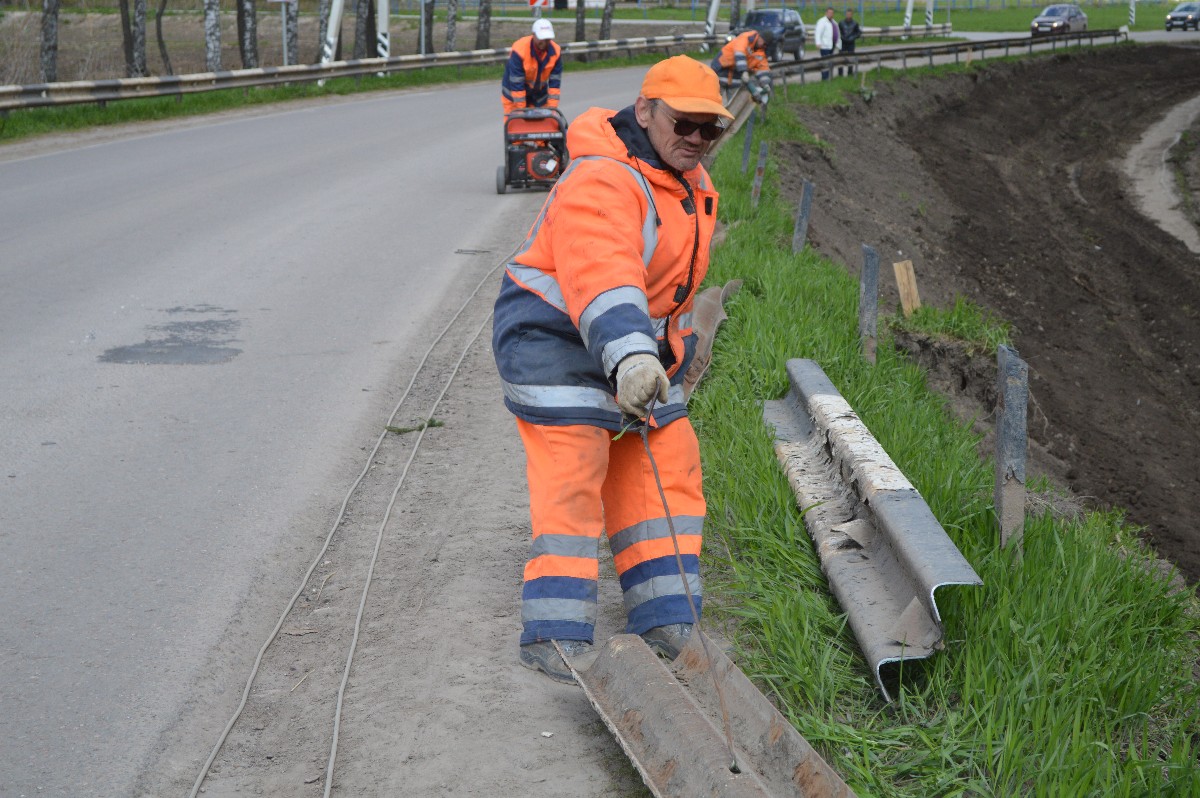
(1150, 16)
(1069, 673)
(23, 123)
(966, 322)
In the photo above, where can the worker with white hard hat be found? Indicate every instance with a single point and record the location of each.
(533, 73)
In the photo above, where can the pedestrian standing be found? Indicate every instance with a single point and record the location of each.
(826, 37)
(850, 32)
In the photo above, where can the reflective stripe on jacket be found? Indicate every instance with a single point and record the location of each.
(609, 269)
(531, 79)
(738, 56)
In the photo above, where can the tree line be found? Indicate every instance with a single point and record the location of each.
(133, 32)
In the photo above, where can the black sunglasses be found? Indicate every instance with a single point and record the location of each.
(709, 131)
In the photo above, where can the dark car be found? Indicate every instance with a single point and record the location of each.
(1061, 18)
(1184, 16)
(783, 28)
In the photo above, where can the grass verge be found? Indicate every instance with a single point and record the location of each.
(1069, 673)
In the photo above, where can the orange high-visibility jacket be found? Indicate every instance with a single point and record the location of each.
(531, 79)
(609, 269)
(738, 56)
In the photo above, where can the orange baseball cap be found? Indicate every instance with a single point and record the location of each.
(686, 85)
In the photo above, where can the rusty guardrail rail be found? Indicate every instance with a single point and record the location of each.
(103, 91)
(882, 549)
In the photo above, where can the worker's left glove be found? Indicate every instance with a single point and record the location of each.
(764, 80)
(640, 378)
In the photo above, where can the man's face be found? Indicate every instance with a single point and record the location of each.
(849, 16)
(540, 44)
(829, 13)
(679, 152)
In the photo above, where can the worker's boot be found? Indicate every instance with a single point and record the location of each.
(666, 641)
(544, 657)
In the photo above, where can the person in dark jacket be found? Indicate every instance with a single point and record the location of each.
(850, 33)
(533, 74)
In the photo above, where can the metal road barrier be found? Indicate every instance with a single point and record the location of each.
(877, 56)
(880, 545)
(102, 91)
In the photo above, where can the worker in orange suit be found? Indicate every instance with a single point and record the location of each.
(533, 73)
(592, 334)
(744, 57)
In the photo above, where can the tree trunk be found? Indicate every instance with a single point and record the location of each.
(162, 43)
(362, 13)
(212, 35)
(138, 29)
(735, 13)
(427, 10)
(248, 32)
(291, 39)
(580, 20)
(49, 41)
(606, 20)
(483, 34)
(451, 23)
(322, 26)
(126, 36)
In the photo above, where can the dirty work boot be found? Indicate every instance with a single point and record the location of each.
(666, 641)
(544, 657)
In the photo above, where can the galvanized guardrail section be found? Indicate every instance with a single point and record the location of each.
(102, 91)
(882, 549)
(878, 56)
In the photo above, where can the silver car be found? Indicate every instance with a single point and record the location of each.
(1060, 18)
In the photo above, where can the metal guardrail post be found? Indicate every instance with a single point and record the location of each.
(868, 302)
(759, 171)
(1011, 445)
(800, 232)
(749, 133)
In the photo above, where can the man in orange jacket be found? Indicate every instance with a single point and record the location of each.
(592, 331)
(744, 57)
(533, 73)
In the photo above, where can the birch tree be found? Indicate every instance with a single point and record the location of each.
(162, 43)
(606, 20)
(247, 22)
(291, 26)
(735, 13)
(580, 21)
(212, 35)
(362, 12)
(322, 26)
(451, 23)
(427, 12)
(133, 37)
(49, 41)
(483, 34)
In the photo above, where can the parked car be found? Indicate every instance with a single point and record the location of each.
(1060, 18)
(783, 27)
(1184, 15)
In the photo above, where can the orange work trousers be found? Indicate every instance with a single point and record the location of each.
(583, 483)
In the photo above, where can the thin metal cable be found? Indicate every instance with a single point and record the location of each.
(643, 431)
(237, 713)
(362, 604)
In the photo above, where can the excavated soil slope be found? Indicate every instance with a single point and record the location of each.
(1005, 186)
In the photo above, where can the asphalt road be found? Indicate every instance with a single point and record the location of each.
(198, 325)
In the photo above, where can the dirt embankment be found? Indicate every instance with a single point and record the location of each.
(1005, 186)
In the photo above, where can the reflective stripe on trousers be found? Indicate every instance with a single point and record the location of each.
(583, 483)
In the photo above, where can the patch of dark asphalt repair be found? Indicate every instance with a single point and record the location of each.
(190, 342)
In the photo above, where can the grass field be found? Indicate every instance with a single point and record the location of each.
(1070, 673)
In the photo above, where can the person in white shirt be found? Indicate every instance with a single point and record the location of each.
(826, 37)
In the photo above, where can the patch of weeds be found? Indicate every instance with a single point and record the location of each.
(978, 328)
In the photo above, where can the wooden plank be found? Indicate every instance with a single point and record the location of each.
(906, 281)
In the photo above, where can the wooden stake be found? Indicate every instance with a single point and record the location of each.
(906, 281)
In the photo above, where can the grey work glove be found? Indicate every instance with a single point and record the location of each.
(640, 378)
